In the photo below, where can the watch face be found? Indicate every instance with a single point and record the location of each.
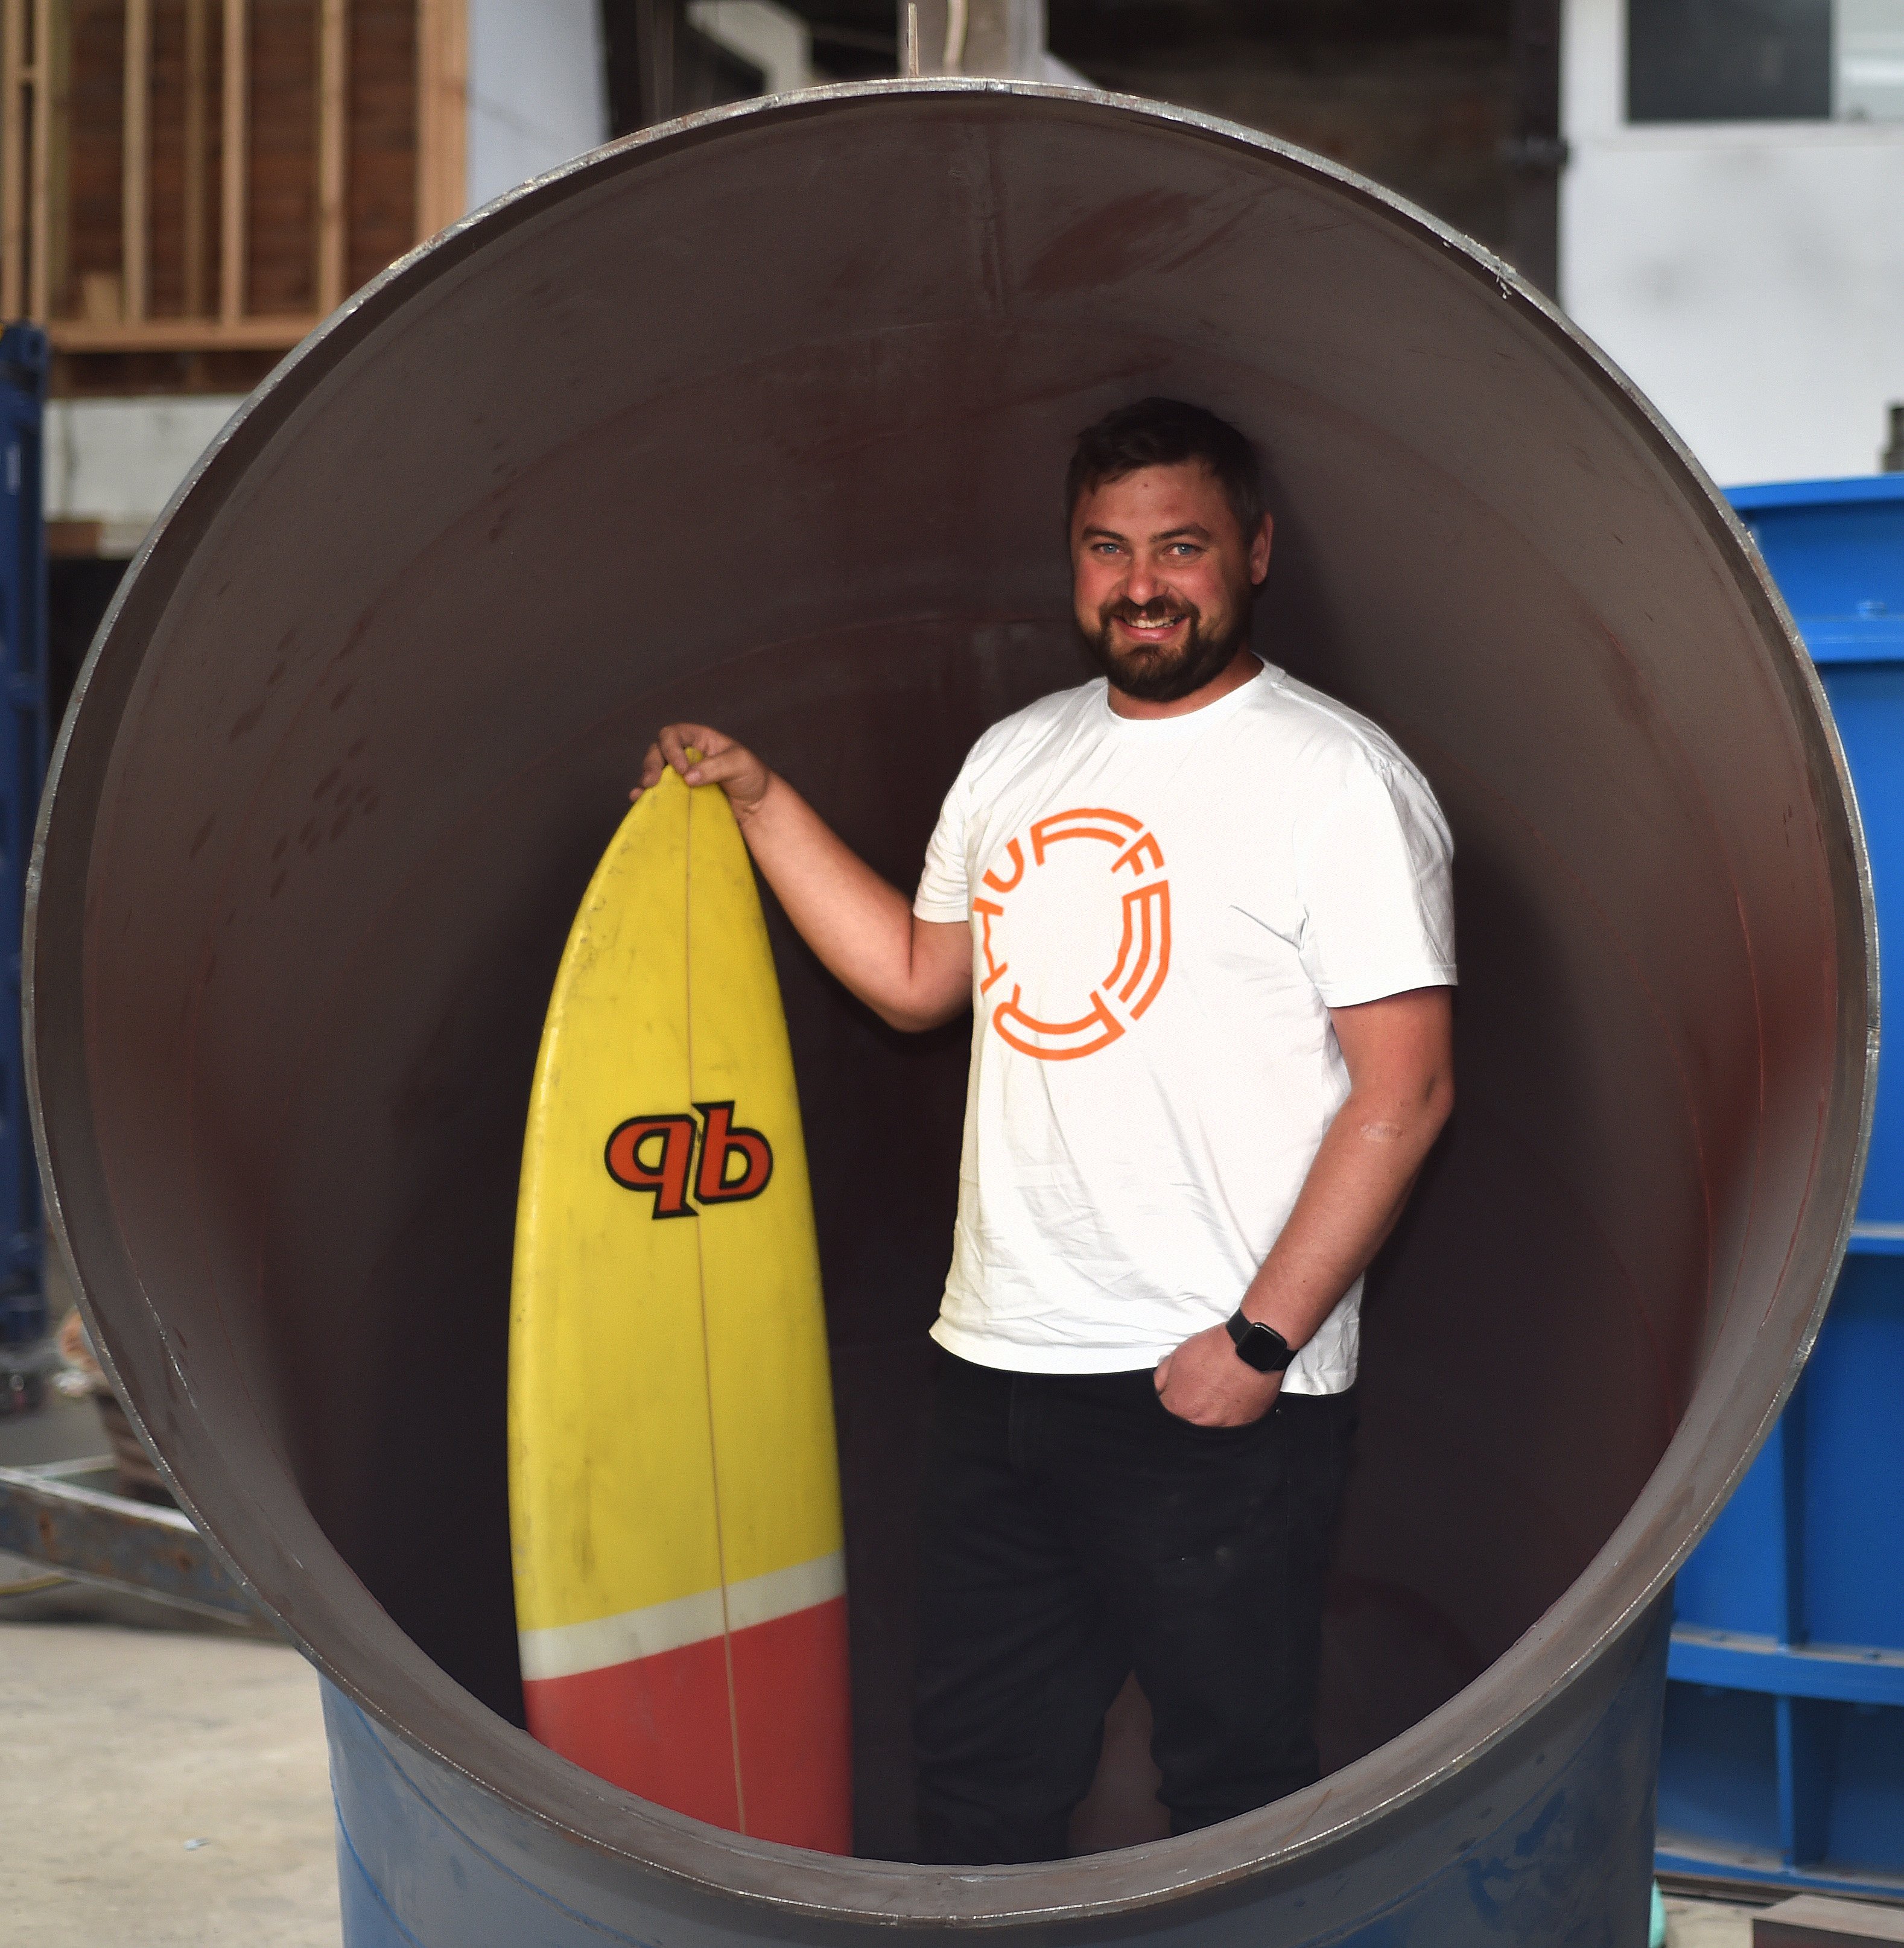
(1261, 1346)
(1269, 1352)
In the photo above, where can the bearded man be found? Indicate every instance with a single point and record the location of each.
(1175, 1171)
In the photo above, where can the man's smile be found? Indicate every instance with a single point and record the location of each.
(1147, 630)
(1152, 630)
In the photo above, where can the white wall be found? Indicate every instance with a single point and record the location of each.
(1749, 277)
(773, 39)
(118, 461)
(538, 95)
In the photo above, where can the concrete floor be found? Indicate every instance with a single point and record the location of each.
(125, 1745)
(130, 1730)
(1706, 1924)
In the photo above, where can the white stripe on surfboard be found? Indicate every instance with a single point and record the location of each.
(565, 1650)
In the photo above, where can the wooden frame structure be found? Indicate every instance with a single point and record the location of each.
(216, 119)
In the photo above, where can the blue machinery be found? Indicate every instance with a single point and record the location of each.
(1783, 1753)
(22, 765)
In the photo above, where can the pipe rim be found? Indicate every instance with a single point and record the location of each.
(1629, 1573)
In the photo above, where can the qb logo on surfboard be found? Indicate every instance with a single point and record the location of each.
(657, 1154)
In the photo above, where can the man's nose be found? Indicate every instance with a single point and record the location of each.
(1142, 585)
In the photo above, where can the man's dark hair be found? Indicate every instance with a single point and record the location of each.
(1166, 432)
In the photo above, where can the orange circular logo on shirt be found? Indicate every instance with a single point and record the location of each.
(1122, 877)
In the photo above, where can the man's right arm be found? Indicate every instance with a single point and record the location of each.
(912, 973)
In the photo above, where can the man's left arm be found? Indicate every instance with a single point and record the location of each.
(1400, 1054)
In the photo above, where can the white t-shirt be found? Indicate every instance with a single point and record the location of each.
(1163, 911)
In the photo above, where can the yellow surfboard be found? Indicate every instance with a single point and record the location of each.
(673, 1483)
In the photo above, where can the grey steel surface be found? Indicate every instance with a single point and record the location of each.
(760, 418)
(65, 1514)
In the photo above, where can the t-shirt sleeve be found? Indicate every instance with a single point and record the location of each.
(1374, 869)
(944, 894)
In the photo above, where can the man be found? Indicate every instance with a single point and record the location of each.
(1202, 914)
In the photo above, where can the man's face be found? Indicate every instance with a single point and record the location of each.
(1162, 579)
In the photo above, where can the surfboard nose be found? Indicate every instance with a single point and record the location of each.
(760, 420)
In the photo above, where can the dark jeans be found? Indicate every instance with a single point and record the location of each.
(1073, 1532)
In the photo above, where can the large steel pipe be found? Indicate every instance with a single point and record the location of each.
(761, 419)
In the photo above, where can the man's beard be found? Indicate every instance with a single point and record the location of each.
(1163, 676)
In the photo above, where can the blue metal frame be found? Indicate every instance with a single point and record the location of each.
(70, 1515)
(1783, 1758)
(1832, 546)
(23, 738)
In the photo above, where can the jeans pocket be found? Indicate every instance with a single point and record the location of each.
(1219, 1435)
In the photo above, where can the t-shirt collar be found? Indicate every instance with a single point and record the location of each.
(1266, 677)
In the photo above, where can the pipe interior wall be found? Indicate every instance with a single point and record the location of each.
(760, 419)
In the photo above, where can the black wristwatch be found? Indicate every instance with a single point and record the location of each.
(1258, 1346)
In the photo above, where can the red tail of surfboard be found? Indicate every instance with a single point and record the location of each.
(642, 1722)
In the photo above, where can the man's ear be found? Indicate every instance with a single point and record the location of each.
(1259, 551)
